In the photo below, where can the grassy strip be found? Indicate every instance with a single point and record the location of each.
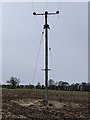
(50, 91)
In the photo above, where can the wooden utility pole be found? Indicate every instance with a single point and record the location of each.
(46, 27)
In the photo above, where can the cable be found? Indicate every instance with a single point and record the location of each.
(58, 16)
(37, 57)
(40, 45)
(33, 9)
(46, 5)
(51, 61)
(55, 23)
(37, 23)
(59, 6)
(33, 6)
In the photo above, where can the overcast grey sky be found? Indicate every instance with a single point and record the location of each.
(68, 39)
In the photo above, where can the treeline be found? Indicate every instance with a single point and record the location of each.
(52, 85)
(61, 85)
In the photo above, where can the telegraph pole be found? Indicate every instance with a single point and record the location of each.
(46, 27)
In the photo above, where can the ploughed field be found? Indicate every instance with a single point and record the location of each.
(27, 104)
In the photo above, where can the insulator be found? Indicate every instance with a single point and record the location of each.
(57, 12)
(34, 13)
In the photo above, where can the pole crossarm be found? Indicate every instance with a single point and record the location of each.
(46, 27)
(57, 12)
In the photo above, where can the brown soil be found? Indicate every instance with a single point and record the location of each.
(30, 105)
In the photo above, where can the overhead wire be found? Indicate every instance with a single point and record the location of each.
(58, 16)
(51, 60)
(46, 5)
(37, 56)
(55, 23)
(50, 52)
(50, 48)
(38, 26)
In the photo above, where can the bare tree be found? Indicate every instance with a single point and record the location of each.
(13, 82)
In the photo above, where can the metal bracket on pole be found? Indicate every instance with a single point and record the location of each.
(45, 70)
(46, 26)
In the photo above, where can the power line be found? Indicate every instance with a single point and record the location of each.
(37, 57)
(52, 67)
(59, 5)
(46, 5)
(56, 23)
(38, 26)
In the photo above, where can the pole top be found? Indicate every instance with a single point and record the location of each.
(46, 12)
